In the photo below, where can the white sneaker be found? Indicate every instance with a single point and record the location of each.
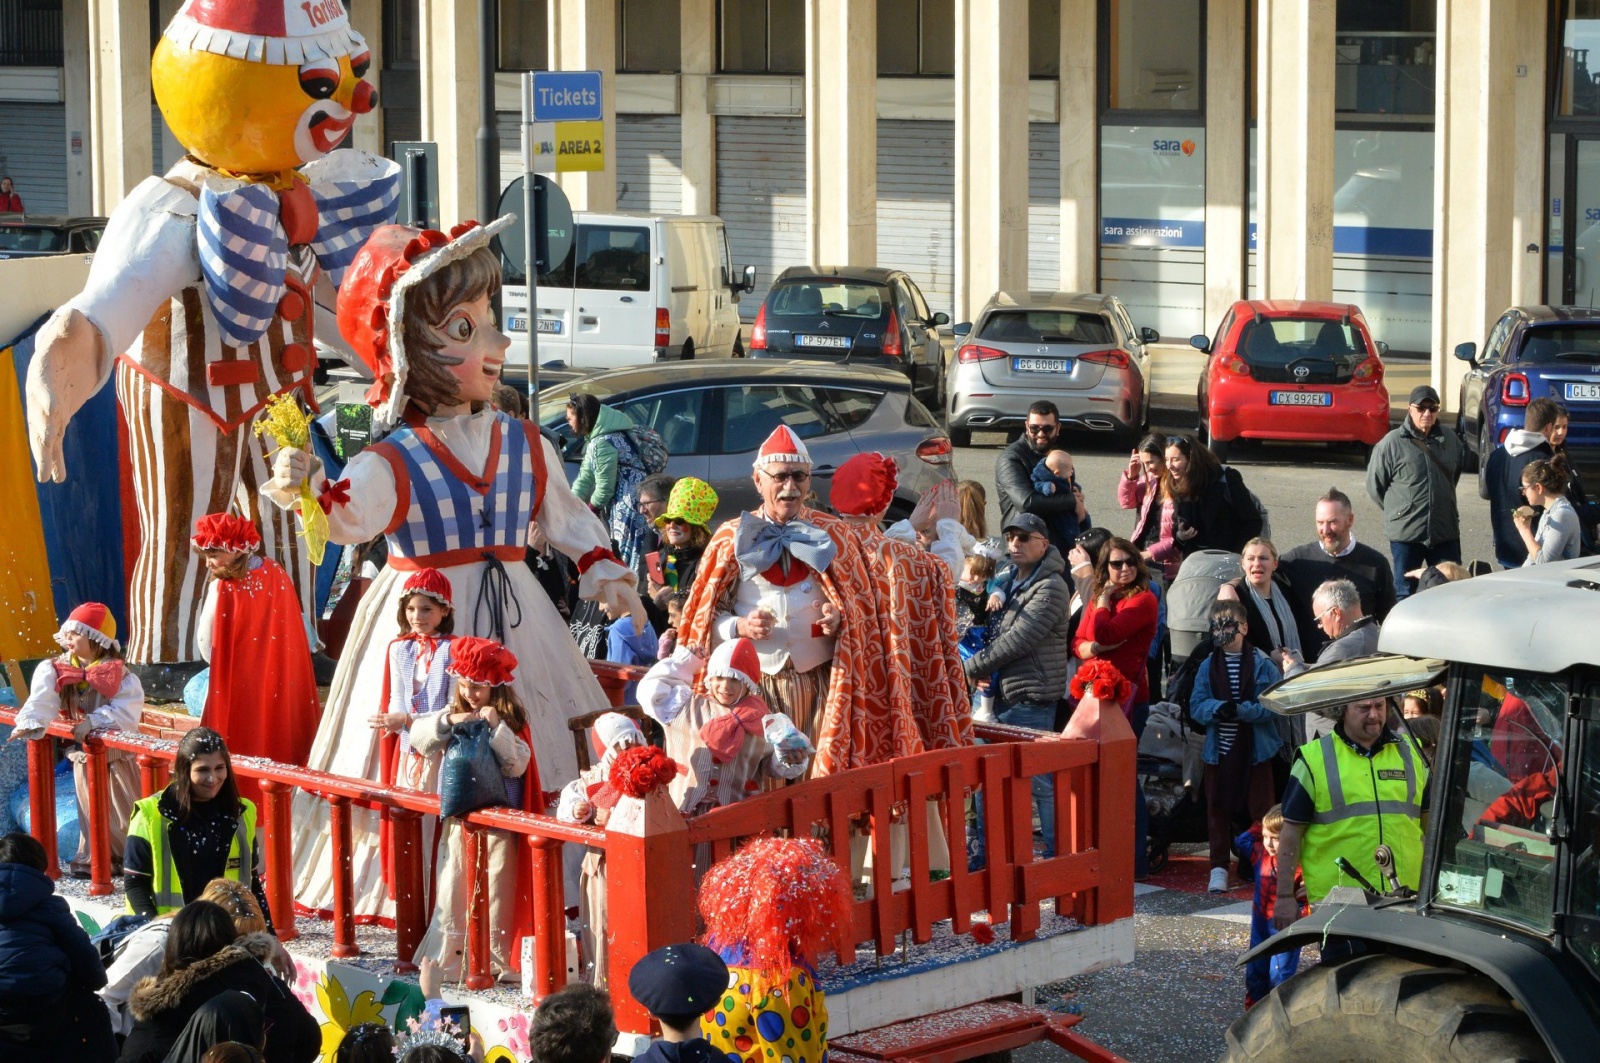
(1219, 880)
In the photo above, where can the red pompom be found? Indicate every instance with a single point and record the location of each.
(983, 933)
(641, 769)
(1100, 677)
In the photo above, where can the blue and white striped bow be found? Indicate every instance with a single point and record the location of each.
(244, 253)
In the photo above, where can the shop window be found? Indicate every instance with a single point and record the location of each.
(1384, 57)
(648, 40)
(762, 37)
(524, 34)
(1152, 50)
(916, 38)
(30, 32)
(1579, 61)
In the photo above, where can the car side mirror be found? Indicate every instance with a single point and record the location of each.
(1200, 343)
(1149, 335)
(941, 318)
(961, 328)
(749, 281)
(1467, 352)
(1383, 348)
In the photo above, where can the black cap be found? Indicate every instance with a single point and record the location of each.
(1423, 393)
(683, 979)
(1031, 523)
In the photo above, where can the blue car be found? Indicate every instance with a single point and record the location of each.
(1533, 352)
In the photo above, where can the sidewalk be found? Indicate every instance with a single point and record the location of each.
(1176, 380)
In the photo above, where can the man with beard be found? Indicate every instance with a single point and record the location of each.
(795, 582)
(1334, 554)
(1013, 471)
(262, 696)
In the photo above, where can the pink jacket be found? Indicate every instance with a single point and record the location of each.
(1142, 495)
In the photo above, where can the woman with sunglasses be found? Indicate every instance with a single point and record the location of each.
(1214, 510)
(1145, 487)
(1557, 536)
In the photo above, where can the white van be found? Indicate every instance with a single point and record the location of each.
(634, 288)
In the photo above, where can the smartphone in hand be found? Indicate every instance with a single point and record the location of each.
(457, 1020)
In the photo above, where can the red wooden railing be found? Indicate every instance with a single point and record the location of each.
(1089, 878)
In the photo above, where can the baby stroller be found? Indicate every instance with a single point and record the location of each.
(1174, 802)
(1191, 594)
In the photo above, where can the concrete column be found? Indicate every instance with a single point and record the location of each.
(1080, 147)
(1482, 191)
(366, 18)
(698, 47)
(1227, 178)
(991, 150)
(583, 36)
(119, 100)
(76, 88)
(1528, 64)
(449, 62)
(841, 104)
(1294, 166)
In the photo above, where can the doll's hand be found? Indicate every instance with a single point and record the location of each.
(582, 810)
(829, 624)
(291, 468)
(81, 730)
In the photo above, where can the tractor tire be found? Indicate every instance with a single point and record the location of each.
(1380, 1006)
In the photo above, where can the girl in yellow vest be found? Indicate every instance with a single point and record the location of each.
(195, 830)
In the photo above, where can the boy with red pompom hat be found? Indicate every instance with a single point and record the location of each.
(89, 684)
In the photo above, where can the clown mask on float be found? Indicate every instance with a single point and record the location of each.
(263, 87)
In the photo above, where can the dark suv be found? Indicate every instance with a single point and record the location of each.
(35, 235)
(862, 315)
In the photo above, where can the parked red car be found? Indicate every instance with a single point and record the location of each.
(1292, 370)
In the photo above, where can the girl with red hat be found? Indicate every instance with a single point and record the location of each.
(454, 486)
(89, 685)
(484, 671)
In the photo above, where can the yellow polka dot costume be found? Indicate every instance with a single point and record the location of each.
(759, 1021)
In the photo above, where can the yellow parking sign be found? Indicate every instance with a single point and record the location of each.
(580, 146)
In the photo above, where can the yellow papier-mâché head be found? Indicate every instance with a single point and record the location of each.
(261, 86)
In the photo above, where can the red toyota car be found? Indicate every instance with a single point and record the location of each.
(1290, 370)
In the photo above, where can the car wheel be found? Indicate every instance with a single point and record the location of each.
(1470, 461)
(688, 351)
(1220, 447)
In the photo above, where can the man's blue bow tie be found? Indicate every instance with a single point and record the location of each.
(761, 544)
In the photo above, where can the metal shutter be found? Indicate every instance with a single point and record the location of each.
(916, 206)
(33, 153)
(761, 197)
(1044, 206)
(509, 125)
(649, 156)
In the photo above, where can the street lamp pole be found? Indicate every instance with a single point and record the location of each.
(488, 136)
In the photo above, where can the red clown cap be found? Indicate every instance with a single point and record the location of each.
(92, 620)
(736, 659)
(224, 531)
(783, 447)
(395, 259)
(481, 661)
(864, 485)
(277, 32)
(429, 581)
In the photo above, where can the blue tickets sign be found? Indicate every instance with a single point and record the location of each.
(567, 96)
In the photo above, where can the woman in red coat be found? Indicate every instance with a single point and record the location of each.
(1118, 625)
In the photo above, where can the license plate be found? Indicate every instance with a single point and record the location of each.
(550, 325)
(838, 342)
(1583, 392)
(1301, 398)
(517, 323)
(1041, 365)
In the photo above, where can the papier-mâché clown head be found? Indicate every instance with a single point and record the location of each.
(261, 86)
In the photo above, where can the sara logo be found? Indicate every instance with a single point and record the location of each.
(1173, 147)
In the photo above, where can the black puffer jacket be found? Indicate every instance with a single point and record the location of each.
(1223, 514)
(1013, 477)
(1030, 648)
(162, 1006)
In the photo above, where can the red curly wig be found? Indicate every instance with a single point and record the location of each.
(775, 903)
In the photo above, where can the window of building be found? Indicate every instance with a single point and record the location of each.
(648, 40)
(762, 37)
(524, 34)
(1044, 38)
(30, 32)
(1384, 57)
(916, 38)
(1153, 51)
(1579, 91)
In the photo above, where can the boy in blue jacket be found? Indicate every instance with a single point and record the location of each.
(1241, 734)
(49, 970)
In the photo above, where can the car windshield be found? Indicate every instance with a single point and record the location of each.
(1565, 343)
(809, 298)
(31, 238)
(1045, 326)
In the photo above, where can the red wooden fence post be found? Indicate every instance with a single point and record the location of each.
(1113, 827)
(42, 800)
(406, 837)
(99, 818)
(650, 863)
(475, 852)
(276, 828)
(344, 919)
(549, 918)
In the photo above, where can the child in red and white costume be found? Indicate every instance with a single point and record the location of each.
(90, 685)
(485, 671)
(732, 745)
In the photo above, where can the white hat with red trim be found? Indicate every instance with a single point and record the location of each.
(276, 32)
(736, 659)
(783, 447)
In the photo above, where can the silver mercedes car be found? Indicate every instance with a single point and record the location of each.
(1079, 350)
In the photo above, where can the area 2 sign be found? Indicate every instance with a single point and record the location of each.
(567, 96)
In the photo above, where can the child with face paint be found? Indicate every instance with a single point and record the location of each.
(1241, 733)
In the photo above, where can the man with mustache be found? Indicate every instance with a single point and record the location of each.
(795, 582)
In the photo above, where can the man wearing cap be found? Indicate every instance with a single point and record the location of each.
(1412, 474)
(1029, 648)
(795, 582)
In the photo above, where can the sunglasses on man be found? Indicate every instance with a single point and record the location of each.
(789, 477)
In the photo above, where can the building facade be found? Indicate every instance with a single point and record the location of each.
(1432, 161)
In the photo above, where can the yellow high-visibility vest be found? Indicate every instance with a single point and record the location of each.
(1360, 803)
(148, 823)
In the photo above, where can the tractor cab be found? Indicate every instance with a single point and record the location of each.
(1508, 909)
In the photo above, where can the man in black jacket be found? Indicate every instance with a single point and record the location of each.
(1502, 474)
(1334, 554)
(1013, 472)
